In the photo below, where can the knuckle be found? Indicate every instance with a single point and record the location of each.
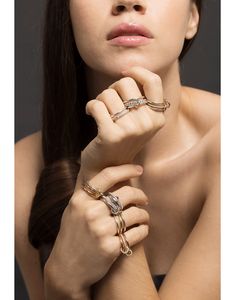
(137, 212)
(126, 189)
(90, 214)
(107, 248)
(142, 232)
(161, 120)
(126, 80)
(145, 230)
(100, 231)
(115, 138)
(154, 78)
(132, 192)
(75, 200)
(92, 106)
(146, 216)
(131, 130)
(106, 93)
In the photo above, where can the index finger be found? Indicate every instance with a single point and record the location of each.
(151, 82)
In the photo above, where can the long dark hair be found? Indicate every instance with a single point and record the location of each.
(66, 129)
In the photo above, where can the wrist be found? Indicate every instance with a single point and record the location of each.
(54, 290)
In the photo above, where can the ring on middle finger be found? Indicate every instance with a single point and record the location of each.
(135, 103)
(112, 202)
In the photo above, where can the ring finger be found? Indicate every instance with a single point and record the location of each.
(131, 216)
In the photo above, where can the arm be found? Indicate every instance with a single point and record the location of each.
(195, 272)
(27, 170)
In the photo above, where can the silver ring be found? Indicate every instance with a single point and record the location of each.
(135, 103)
(112, 202)
(119, 114)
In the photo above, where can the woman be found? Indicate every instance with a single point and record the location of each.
(154, 146)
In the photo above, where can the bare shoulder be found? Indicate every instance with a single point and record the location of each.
(30, 145)
(28, 166)
(204, 108)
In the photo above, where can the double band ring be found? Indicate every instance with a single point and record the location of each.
(94, 193)
(119, 114)
(112, 202)
(158, 106)
(120, 222)
(125, 247)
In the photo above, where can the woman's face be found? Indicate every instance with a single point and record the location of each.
(169, 22)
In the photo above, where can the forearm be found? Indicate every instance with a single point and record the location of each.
(128, 278)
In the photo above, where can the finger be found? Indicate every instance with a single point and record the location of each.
(99, 112)
(151, 82)
(127, 88)
(131, 195)
(131, 216)
(133, 236)
(106, 225)
(111, 100)
(110, 176)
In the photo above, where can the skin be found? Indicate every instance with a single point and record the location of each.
(179, 152)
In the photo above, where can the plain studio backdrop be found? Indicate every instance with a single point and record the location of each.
(200, 68)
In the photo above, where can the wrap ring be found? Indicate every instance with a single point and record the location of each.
(125, 247)
(120, 222)
(112, 202)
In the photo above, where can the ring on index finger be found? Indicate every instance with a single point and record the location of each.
(94, 193)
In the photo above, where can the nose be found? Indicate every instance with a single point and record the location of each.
(121, 6)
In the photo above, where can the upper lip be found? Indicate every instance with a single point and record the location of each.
(129, 28)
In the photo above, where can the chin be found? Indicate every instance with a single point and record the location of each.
(114, 67)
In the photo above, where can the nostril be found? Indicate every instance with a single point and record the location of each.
(137, 7)
(120, 8)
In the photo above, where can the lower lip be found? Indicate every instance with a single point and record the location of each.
(130, 41)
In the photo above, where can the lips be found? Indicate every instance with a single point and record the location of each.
(125, 29)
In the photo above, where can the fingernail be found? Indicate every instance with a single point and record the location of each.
(139, 169)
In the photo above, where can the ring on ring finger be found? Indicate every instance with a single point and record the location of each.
(120, 222)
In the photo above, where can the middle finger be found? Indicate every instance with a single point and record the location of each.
(127, 88)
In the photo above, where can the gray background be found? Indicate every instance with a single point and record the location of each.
(200, 68)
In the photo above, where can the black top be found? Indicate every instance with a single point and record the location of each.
(158, 279)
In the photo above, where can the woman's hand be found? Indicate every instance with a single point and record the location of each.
(87, 244)
(119, 142)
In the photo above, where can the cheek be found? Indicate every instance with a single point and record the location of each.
(171, 25)
(85, 28)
